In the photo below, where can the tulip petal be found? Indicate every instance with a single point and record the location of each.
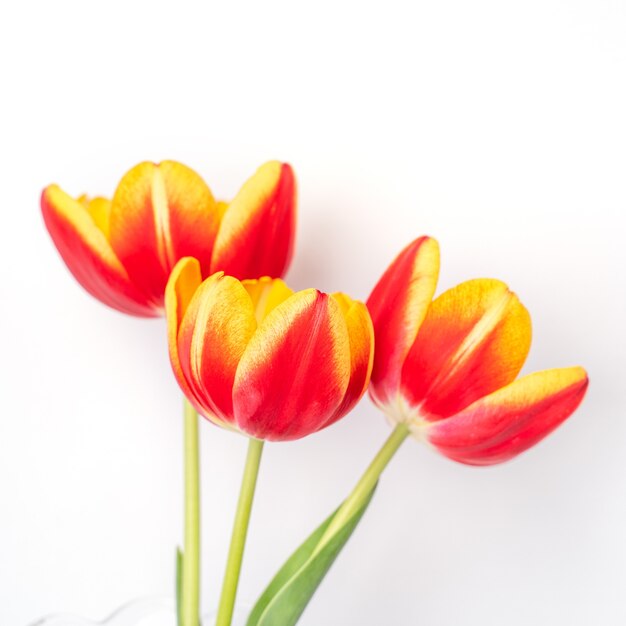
(214, 333)
(294, 373)
(161, 213)
(500, 426)
(222, 205)
(361, 336)
(474, 340)
(88, 254)
(266, 294)
(398, 306)
(184, 281)
(257, 232)
(100, 211)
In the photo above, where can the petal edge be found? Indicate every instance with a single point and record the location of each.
(503, 424)
(89, 255)
(398, 305)
(256, 235)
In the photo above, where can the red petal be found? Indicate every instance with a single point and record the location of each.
(474, 340)
(257, 232)
(398, 305)
(500, 426)
(160, 214)
(88, 254)
(361, 335)
(294, 373)
(214, 332)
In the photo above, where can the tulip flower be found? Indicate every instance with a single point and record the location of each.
(122, 251)
(444, 371)
(255, 357)
(447, 369)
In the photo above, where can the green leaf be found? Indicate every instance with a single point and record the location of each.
(286, 597)
(179, 582)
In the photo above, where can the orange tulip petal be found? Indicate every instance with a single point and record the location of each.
(361, 336)
(88, 254)
(474, 340)
(161, 213)
(257, 232)
(294, 374)
(266, 294)
(100, 211)
(500, 426)
(182, 285)
(398, 306)
(214, 332)
(222, 205)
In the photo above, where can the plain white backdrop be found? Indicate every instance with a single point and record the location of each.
(497, 127)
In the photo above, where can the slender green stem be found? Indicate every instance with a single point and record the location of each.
(240, 530)
(190, 587)
(366, 483)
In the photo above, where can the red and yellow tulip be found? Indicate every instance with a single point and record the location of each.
(256, 357)
(448, 368)
(123, 250)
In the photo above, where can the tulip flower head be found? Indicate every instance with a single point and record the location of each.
(448, 368)
(256, 357)
(122, 251)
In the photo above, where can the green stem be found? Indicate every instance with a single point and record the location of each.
(240, 530)
(190, 587)
(367, 482)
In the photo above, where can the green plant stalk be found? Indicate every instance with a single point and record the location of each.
(366, 483)
(240, 530)
(189, 610)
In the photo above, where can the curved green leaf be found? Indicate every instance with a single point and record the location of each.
(286, 597)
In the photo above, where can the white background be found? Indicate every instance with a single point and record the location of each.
(498, 127)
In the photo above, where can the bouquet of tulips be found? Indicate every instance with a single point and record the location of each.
(252, 356)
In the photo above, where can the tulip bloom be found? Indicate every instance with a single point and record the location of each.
(256, 357)
(445, 372)
(122, 251)
(447, 369)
